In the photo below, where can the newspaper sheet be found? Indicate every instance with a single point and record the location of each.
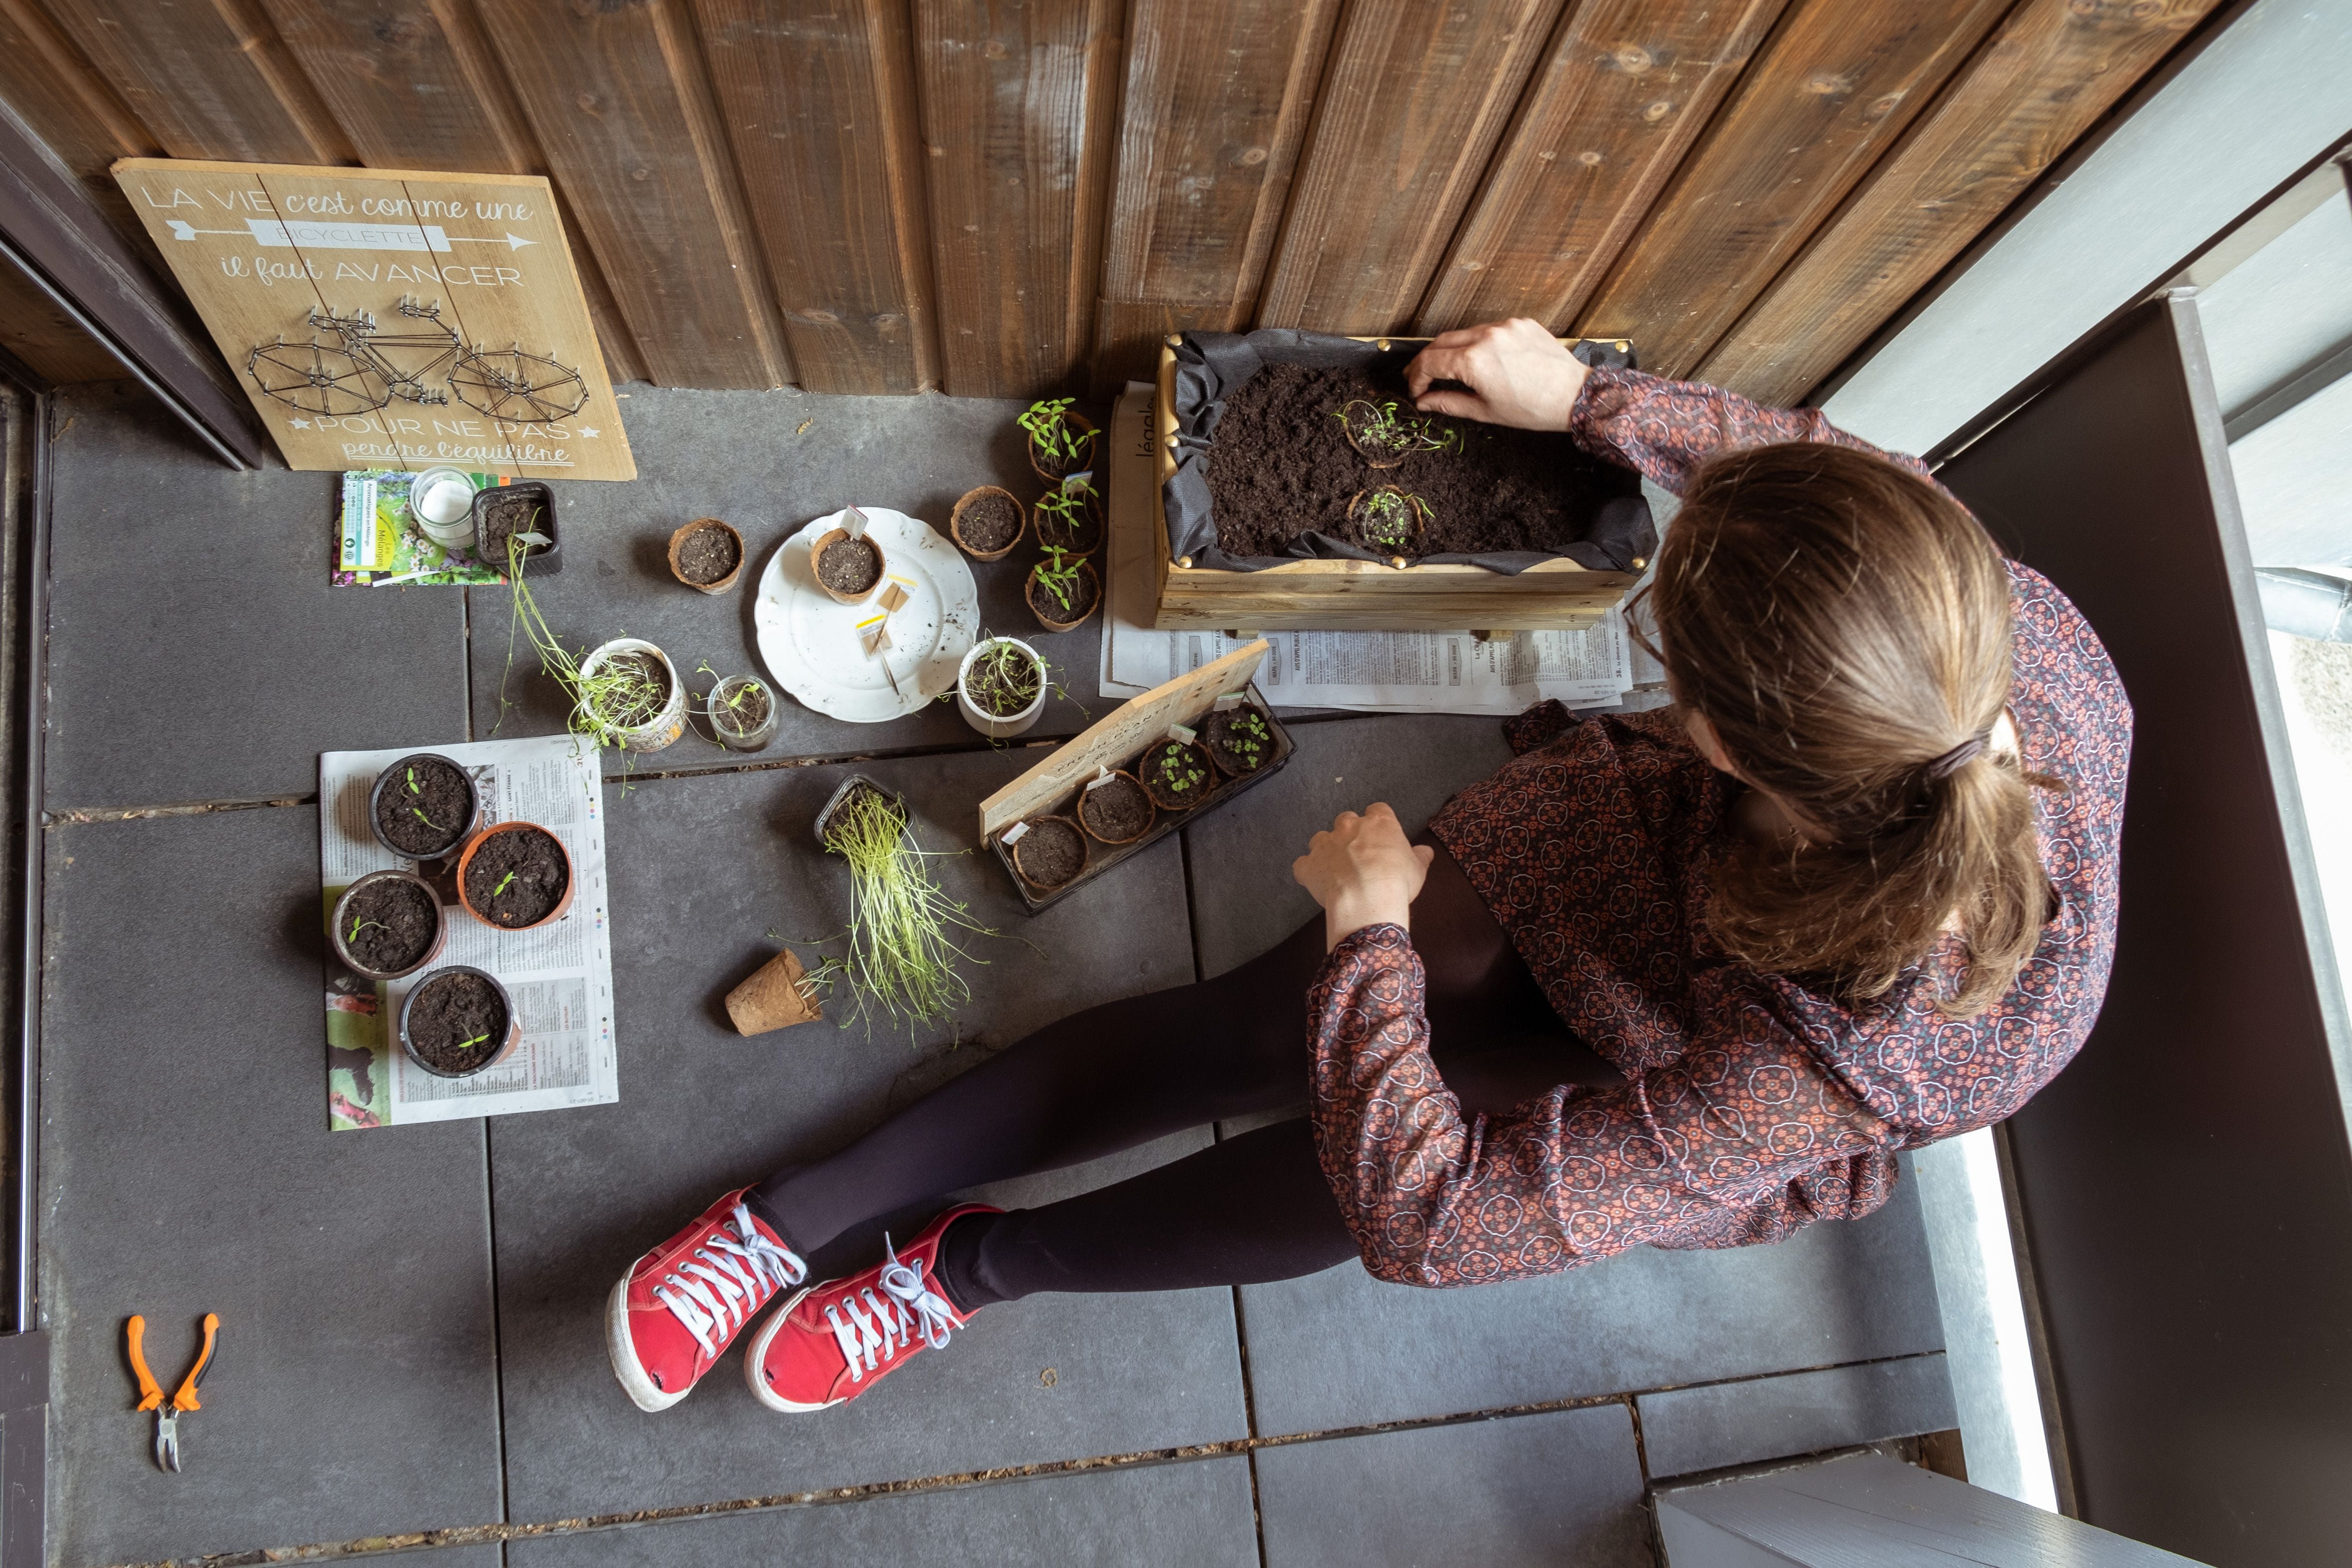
(1395, 672)
(561, 973)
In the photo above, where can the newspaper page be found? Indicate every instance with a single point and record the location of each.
(561, 975)
(1392, 672)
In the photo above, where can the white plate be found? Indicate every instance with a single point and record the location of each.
(811, 643)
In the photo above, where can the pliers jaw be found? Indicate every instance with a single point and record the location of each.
(167, 1439)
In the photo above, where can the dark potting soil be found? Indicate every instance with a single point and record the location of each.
(750, 711)
(1050, 853)
(992, 524)
(1083, 593)
(1085, 534)
(389, 926)
(425, 807)
(1240, 739)
(1178, 777)
(849, 565)
(505, 515)
(708, 554)
(1282, 465)
(517, 877)
(456, 1022)
(640, 701)
(1116, 812)
(993, 689)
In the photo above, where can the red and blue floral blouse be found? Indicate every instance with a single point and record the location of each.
(1752, 1106)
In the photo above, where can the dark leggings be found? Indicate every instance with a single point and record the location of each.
(1249, 1208)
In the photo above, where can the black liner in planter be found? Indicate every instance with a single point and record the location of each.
(1209, 365)
(535, 563)
(1101, 856)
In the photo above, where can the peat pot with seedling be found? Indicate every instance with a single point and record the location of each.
(525, 508)
(1176, 775)
(1061, 441)
(987, 523)
(459, 1021)
(1063, 590)
(1238, 740)
(904, 930)
(707, 555)
(515, 876)
(387, 924)
(741, 711)
(1070, 518)
(1001, 687)
(1388, 519)
(1387, 436)
(422, 806)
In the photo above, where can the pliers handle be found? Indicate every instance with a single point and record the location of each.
(184, 1398)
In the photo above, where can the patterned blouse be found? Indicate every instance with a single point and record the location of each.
(1752, 1105)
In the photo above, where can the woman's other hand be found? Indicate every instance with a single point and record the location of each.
(1364, 873)
(1518, 373)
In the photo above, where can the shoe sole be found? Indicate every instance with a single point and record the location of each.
(756, 1353)
(643, 1392)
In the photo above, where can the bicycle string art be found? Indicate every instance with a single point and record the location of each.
(349, 365)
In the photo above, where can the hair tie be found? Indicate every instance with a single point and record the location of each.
(1958, 757)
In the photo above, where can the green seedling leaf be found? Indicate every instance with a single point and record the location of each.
(503, 884)
(418, 813)
(468, 1044)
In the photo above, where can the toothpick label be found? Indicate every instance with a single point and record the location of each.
(1012, 834)
(1177, 732)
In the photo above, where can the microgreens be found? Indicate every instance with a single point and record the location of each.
(1177, 767)
(468, 1044)
(1379, 429)
(902, 949)
(1054, 436)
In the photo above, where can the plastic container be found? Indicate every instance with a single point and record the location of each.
(338, 923)
(473, 806)
(441, 500)
(514, 1022)
(466, 861)
(677, 542)
(982, 720)
(833, 803)
(714, 708)
(665, 726)
(540, 562)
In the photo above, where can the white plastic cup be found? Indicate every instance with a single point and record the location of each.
(988, 724)
(442, 501)
(660, 731)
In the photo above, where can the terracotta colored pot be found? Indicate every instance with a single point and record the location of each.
(466, 861)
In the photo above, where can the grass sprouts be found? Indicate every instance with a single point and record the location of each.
(621, 694)
(903, 928)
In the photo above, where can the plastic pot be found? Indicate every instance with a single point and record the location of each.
(514, 1022)
(677, 542)
(539, 560)
(396, 771)
(465, 862)
(834, 536)
(1086, 572)
(340, 921)
(972, 497)
(663, 728)
(714, 708)
(980, 717)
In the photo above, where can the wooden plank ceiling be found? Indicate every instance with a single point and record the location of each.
(1010, 197)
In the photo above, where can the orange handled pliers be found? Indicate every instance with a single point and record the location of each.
(184, 1398)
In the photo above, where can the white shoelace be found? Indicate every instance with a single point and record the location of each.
(884, 1327)
(731, 1277)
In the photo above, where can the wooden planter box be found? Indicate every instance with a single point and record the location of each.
(1362, 596)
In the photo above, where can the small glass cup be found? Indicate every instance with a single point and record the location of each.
(722, 719)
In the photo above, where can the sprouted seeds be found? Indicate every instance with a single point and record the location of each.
(1059, 575)
(1378, 428)
(1391, 517)
(618, 696)
(903, 927)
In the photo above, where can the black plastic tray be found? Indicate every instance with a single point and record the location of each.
(1101, 857)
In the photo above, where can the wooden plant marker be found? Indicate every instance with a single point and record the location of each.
(1118, 735)
(260, 246)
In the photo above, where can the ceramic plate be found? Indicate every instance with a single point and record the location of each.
(811, 645)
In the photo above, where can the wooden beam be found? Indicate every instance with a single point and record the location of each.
(1829, 94)
(818, 100)
(33, 329)
(2052, 69)
(1217, 99)
(1627, 88)
(1016, 108)
(618, 100)
(1414, 99)
(49, 84)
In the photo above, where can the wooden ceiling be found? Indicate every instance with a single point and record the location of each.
(1003, 197)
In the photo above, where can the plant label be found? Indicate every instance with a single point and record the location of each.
(1179, 732)
(1079, 483)
(1100, 779)
(892, 597)
(1229, 701)
(1013, 834)
(854, 525)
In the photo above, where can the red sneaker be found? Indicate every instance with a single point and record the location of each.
(836, 1339)
(680, 1305)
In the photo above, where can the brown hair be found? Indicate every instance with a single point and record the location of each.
(1845, 624)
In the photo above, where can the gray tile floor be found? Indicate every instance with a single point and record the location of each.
(411, 1339)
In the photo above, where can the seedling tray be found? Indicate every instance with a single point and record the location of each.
(1101, 856)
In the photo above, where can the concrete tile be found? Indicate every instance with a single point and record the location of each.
(1194, 1513)
(186, 1167)
(1562, 1487)
(1689, 1429)
(737, 456)
(1246, 898)
(702, 867)
(1838, 1291)
(196, 650)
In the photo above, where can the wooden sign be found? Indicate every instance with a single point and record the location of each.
(388, 318)
(1117, 735)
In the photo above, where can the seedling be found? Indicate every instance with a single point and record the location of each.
(1379, 430)
(619, 696)
(411, 783)
(358, 925)
(418, 813)
(1179, 771)
(1003, 680)
(470, 1045)
(1069, 505)
(503, 884)
(1390, 517)
(1248, 737)
(1055, 437)
(902, 926)
(1059, 575)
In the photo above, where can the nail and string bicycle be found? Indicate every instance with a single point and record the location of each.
(357, 367)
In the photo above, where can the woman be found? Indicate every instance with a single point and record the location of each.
(1686, 979)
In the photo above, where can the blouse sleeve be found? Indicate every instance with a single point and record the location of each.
(1734, 1133)
(1667, 428)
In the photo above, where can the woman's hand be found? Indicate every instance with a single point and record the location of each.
(1364, 873)
(1517, 373)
